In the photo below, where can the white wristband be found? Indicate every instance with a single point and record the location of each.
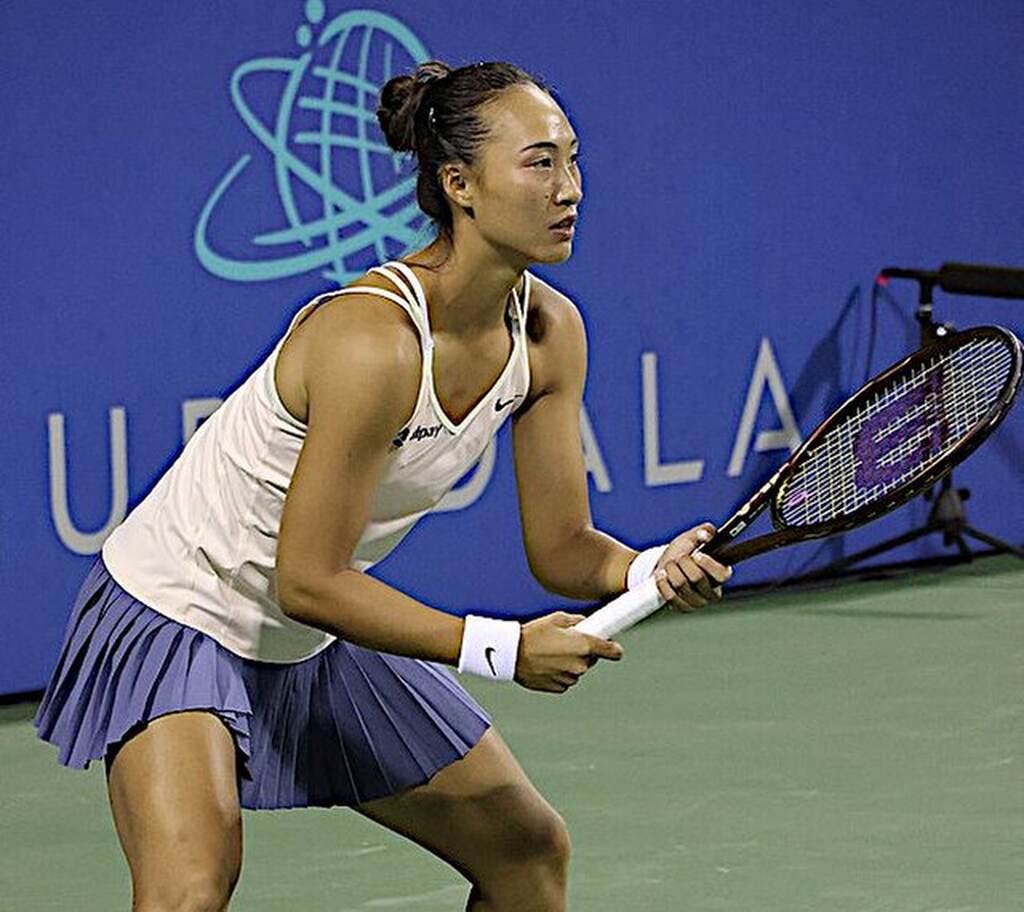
(489, 648)
(642, 566)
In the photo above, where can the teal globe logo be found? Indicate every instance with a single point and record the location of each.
(346, 200)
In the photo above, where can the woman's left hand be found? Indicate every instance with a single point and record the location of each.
(688, 581)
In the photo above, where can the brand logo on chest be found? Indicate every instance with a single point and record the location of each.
(499, 405)
(422, 432)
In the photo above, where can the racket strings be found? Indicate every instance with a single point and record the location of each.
(898, 433)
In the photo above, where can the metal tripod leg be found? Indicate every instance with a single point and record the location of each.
(996, 543)
(889, 544)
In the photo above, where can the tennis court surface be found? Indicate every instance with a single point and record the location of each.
(856, 748)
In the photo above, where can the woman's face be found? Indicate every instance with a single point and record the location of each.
(526, 177)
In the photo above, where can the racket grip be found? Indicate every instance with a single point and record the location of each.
(623, 612)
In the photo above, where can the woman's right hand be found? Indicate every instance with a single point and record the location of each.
(553, 656)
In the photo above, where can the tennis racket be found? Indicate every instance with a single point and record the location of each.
(891, 440)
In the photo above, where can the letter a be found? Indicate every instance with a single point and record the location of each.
(766, 372)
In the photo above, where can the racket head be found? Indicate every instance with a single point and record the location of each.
(899, 434)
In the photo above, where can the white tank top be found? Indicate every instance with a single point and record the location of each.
(201, 547)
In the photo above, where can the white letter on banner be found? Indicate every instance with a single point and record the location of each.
(469, 493)
(766, 371)
(657, 472)
(592, 458)
(74, 539)
(193, 411)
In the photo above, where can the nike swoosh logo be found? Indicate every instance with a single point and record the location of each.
(499, 405)
(487, 655)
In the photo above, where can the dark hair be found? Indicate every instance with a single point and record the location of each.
(435, 114)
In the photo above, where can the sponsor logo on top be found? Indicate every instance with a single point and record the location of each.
(422, 432)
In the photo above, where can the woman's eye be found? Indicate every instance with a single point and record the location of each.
(548, 163)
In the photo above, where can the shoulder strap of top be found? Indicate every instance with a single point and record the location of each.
(523, 303)
(414, 301)
(410, 298)
(304, 312)
(410, 277)
(404, 298)
(396, 277)
(413, 284)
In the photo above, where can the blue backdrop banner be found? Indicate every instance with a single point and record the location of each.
(181, 177)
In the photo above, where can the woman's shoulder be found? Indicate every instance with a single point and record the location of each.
(354, 334)
(556, 340)
(367, 322)
(552, 317)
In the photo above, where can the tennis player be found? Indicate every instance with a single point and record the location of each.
(227, 649)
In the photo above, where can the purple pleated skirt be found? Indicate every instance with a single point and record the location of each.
(345, 726)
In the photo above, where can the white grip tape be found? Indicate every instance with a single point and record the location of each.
(643, 566)
(489, 647)
(623, 612)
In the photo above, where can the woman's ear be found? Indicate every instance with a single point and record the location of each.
(457, 186)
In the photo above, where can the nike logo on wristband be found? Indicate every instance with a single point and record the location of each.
(487, 655)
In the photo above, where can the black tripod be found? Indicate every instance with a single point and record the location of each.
(947, 513)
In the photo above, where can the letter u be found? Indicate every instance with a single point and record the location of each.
(74, 539)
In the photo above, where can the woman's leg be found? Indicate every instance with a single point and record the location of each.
(485, 818)
(174, 797)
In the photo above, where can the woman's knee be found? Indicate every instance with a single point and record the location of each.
(531, 831)
(551, 838)
(192, 893)
(525, 865)
(197, 875)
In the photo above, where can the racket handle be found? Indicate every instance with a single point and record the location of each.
(623, 612)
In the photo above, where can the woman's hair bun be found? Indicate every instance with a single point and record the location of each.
(400, 100)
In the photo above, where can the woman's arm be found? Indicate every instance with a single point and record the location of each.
(361, 370)
(566, 553)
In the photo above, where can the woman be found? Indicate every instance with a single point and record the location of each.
(227, 650)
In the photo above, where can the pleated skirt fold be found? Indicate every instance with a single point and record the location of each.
(343, 727)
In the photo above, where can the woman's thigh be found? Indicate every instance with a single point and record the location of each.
(174, 797)
(480, 813)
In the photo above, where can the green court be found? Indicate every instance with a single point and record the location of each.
(853, 748)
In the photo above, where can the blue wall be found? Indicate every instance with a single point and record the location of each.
(748, 168)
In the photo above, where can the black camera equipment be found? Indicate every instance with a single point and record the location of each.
(947, 515)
